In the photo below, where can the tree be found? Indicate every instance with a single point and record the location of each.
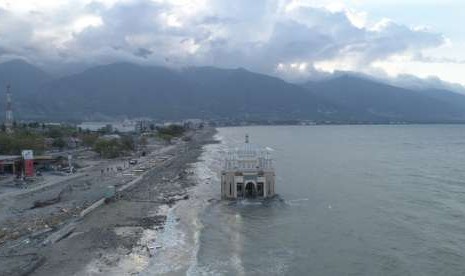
(108, 148)
(89, 139)
(55, 133)
(33, 125)
(59, 143)
(20, 140)
(170, 132)
(127, 143)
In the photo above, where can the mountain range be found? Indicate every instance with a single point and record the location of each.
(129, 90)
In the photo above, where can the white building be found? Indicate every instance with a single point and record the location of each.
(248, 173)
(124, 126)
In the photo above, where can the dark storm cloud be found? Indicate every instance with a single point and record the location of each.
(143, 53)
(395, 38)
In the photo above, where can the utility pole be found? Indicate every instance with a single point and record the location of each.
(9, 111)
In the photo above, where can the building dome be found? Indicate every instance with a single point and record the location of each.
(248, 156)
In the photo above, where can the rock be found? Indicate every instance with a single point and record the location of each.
(15, 235)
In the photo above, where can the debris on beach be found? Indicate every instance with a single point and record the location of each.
(44, 203)
(47, 220)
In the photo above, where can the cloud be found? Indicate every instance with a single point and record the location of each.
(15, 31)
(268, 36)
(428, 59)
(431, 82)
(142, 52)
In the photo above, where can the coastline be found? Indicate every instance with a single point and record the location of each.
(165, 249)
(120, 237)
(180, 240)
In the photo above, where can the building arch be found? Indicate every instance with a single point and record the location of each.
(250, 189)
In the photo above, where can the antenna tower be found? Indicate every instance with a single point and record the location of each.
(9, 110)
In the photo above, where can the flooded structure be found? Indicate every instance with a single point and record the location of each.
(248, 173)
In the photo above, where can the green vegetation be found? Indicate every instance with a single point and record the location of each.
(115, 147)
(59, 143)
(60, 131)
(89, 139)
(108, 148)
(170, 132)
(13, 144)
(40, 137)
(127, 143)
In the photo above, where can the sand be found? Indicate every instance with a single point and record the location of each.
(115, 239)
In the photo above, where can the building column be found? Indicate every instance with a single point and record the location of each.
(222, 188)
(265, 190)
(234, 188)
(272, 186)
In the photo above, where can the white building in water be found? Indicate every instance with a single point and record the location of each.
(248, 173)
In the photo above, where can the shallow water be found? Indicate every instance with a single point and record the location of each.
(356, 200)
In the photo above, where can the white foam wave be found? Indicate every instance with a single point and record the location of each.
(297, 200)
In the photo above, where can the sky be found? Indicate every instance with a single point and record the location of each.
(292, 39)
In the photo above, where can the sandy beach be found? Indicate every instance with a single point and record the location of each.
(116, 238)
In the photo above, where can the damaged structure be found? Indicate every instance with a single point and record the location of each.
(248, 172)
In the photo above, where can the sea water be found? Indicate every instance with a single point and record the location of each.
(353, 200)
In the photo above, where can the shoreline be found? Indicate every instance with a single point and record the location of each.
(116, 238)
(181, 242)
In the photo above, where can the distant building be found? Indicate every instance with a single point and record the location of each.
(166, 124)
(92, 126)
(248, 173)
(10, 164)
(73, 142)
(17, 165)
(142, 126)
(110, 137)
(123, 127)
(193, 123)
(53, 124)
